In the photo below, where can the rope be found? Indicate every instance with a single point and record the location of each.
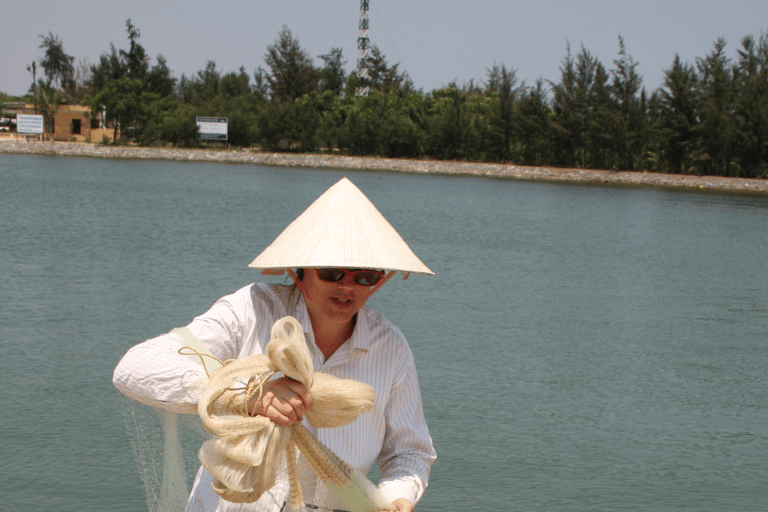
(189, 351)
(245, 453)
(254, 387)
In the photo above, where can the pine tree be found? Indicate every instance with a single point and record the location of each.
(566, 123)
(383, 77)
(751, 107)
(159, 79)
(678, 99)
(716, 98)
(292, 74)
(625, 87)
(206, 85)
(333, 76)
(579, 116)
(501, 89)
(533, 118)
(135, 59)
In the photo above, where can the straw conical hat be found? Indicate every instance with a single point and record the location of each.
(342, 228)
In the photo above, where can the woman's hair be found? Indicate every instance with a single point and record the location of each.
(295, 289)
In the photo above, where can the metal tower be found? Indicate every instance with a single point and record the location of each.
(362, 51)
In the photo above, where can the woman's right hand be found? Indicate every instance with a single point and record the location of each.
(284, 401)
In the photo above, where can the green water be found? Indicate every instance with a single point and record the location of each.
(579, 349)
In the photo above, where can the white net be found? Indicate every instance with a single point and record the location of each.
(165, 447)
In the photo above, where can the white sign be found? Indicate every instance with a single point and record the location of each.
(212, 128)
(27, 123)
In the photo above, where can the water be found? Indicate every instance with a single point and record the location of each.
(580, 348)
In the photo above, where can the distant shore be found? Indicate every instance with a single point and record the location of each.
(247, 156)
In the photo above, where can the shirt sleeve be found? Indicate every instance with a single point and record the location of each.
(407, 453)
(156, 374)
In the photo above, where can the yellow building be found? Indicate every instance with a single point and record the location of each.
(69, 123)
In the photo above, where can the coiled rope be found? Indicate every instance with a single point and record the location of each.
(245, 453)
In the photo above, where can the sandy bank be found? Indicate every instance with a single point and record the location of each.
(712, 183)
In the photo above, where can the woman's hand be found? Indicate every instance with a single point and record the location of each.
(402, 505)
(284, 401)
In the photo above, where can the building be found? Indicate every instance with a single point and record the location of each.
(70, 123)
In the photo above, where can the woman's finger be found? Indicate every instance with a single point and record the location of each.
(284, 401)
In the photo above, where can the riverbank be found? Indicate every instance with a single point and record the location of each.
(247, 156)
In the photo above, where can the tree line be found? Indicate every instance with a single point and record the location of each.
(708, 117)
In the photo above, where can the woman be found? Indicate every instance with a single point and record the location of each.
(339, 252)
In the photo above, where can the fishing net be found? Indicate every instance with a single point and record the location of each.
(165, 448)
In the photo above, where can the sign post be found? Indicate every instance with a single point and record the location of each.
(212, 128)
(29, 124)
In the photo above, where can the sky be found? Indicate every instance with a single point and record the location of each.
(435, 41)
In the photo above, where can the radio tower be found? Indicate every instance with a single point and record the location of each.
(362, 52)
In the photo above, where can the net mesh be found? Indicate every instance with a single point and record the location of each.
(165, 448)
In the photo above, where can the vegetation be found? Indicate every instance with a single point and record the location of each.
(709, 117)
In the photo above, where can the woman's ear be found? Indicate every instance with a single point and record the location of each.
(298, 279)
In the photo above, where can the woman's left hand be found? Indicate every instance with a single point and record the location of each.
(284, 401)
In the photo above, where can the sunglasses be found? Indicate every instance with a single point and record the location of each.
(361, 277)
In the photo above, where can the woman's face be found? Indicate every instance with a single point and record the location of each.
(336, 302)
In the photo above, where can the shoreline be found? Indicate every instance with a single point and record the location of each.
(490, 170)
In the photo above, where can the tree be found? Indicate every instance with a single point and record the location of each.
(571, 105)
(533, 118)
(716, 98)
(122, 100)
(110, 67)
(183, 90)
(751, 107)
(159, 79)
(233, 85)
(292, 74)
(361, 132)
(58, 70)
(450, 123)
(57, 65)
(382, 76)
(565, 109)
(206, 86)
(81, 79)
(629, 117)
(679, 113)
(600, 122)
(332, 75)
(401, 132)
(47, 103)
(32, 68)
(240, 110)
(132, 64)
(135, 59)
(583, 125)
(501, 87)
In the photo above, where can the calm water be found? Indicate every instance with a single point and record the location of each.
(580, 348)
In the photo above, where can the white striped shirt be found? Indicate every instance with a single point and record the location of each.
(394, 433)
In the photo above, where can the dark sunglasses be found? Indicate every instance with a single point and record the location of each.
(361, 277)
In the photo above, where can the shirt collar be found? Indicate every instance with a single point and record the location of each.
(360, 338)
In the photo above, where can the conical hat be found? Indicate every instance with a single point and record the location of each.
(342, 228)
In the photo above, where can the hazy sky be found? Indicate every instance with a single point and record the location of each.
(435, 41)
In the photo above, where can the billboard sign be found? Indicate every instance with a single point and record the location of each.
(27, 123)
(212, 128)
